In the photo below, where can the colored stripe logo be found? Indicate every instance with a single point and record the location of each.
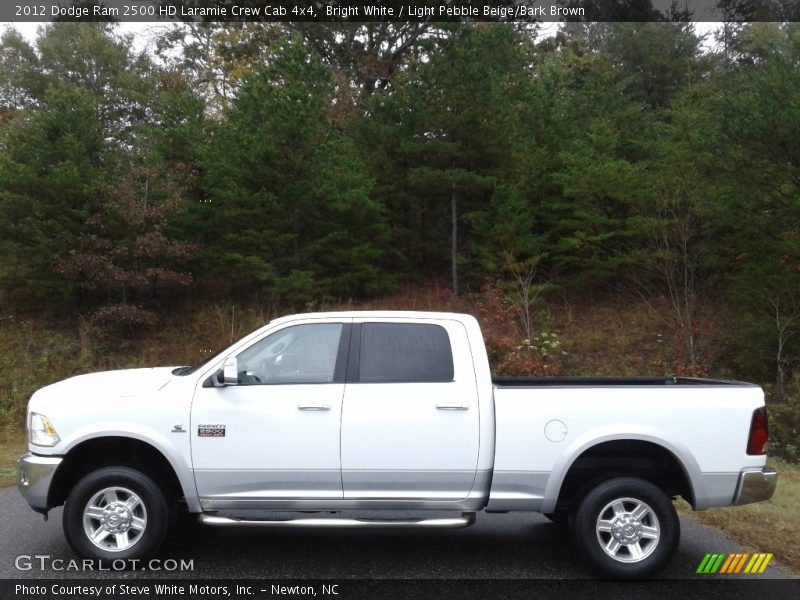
(741, 562)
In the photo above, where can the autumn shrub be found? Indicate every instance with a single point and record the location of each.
(509, 352)
(497, 314)
(121, 320)
(784, 429)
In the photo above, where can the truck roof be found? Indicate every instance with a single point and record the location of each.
(377, 314)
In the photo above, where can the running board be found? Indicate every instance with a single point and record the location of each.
(465, 520)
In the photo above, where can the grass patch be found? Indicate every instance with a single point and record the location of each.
(12, 445)
(770, 526)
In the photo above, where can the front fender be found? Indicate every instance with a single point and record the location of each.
(176, 450)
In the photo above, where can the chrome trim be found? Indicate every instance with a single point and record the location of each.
(449, 523)
(364, 490)
(34, 475)
(756, 486)
(214, 504)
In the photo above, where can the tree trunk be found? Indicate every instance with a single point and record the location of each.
(454, 236)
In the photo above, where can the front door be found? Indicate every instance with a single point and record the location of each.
(275, 435)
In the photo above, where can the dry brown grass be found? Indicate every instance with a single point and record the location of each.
(12, 445)
(770, 526)
(612, 337)
(36, 352)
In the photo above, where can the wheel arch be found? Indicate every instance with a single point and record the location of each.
(637, 455)
(120, 450)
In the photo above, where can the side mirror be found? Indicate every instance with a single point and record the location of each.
(230, 371)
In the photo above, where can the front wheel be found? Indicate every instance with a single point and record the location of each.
(627, 528)
(115, 513)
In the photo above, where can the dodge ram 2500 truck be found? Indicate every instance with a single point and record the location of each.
(360, 412)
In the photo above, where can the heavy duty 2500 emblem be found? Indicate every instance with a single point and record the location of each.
(213, 430)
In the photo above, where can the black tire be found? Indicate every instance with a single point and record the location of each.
(128, 486)
(642, 556)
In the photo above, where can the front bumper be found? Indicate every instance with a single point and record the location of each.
(755, 486)
(34, 475)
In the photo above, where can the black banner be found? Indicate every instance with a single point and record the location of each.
(119, 587)
(399, 10)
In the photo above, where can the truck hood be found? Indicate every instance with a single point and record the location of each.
(107, 384)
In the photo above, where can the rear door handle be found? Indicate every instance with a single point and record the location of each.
(452, 406)
(313, 407)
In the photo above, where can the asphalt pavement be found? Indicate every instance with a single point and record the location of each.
(511, 546)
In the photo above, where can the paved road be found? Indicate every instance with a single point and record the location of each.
(518, 546)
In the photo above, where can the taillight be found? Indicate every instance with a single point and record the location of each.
(759, 435)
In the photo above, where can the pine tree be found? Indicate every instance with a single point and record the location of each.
(288, 199)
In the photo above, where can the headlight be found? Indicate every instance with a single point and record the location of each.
(41, 431)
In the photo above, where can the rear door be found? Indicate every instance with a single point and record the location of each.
(410, 418)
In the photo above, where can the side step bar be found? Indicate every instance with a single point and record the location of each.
(465, 520)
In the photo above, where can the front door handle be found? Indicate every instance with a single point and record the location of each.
(452, 406)
(313, 407)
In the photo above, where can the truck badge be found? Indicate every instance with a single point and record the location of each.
(213, 430)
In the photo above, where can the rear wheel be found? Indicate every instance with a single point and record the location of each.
(115, 513)
(627, 528)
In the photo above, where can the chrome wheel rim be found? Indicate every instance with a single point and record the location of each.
(114, 519)
(628, 530)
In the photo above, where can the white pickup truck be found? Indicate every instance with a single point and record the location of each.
(360, 412)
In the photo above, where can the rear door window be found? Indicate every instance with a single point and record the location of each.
(405, 352)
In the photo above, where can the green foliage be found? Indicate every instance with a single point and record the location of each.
(545, 343)
(86, 195)
(784, 429)
(18, 62)
(297, 165)
(760, 217)
(446, 133)
(287, 198)
(598, 178)
(51, 174)
(655, 60)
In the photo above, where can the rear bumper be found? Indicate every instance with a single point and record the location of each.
(34, 476)
(756, 486)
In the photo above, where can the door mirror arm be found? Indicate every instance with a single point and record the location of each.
(227, 375)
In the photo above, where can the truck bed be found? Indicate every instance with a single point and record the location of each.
(535, 382)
